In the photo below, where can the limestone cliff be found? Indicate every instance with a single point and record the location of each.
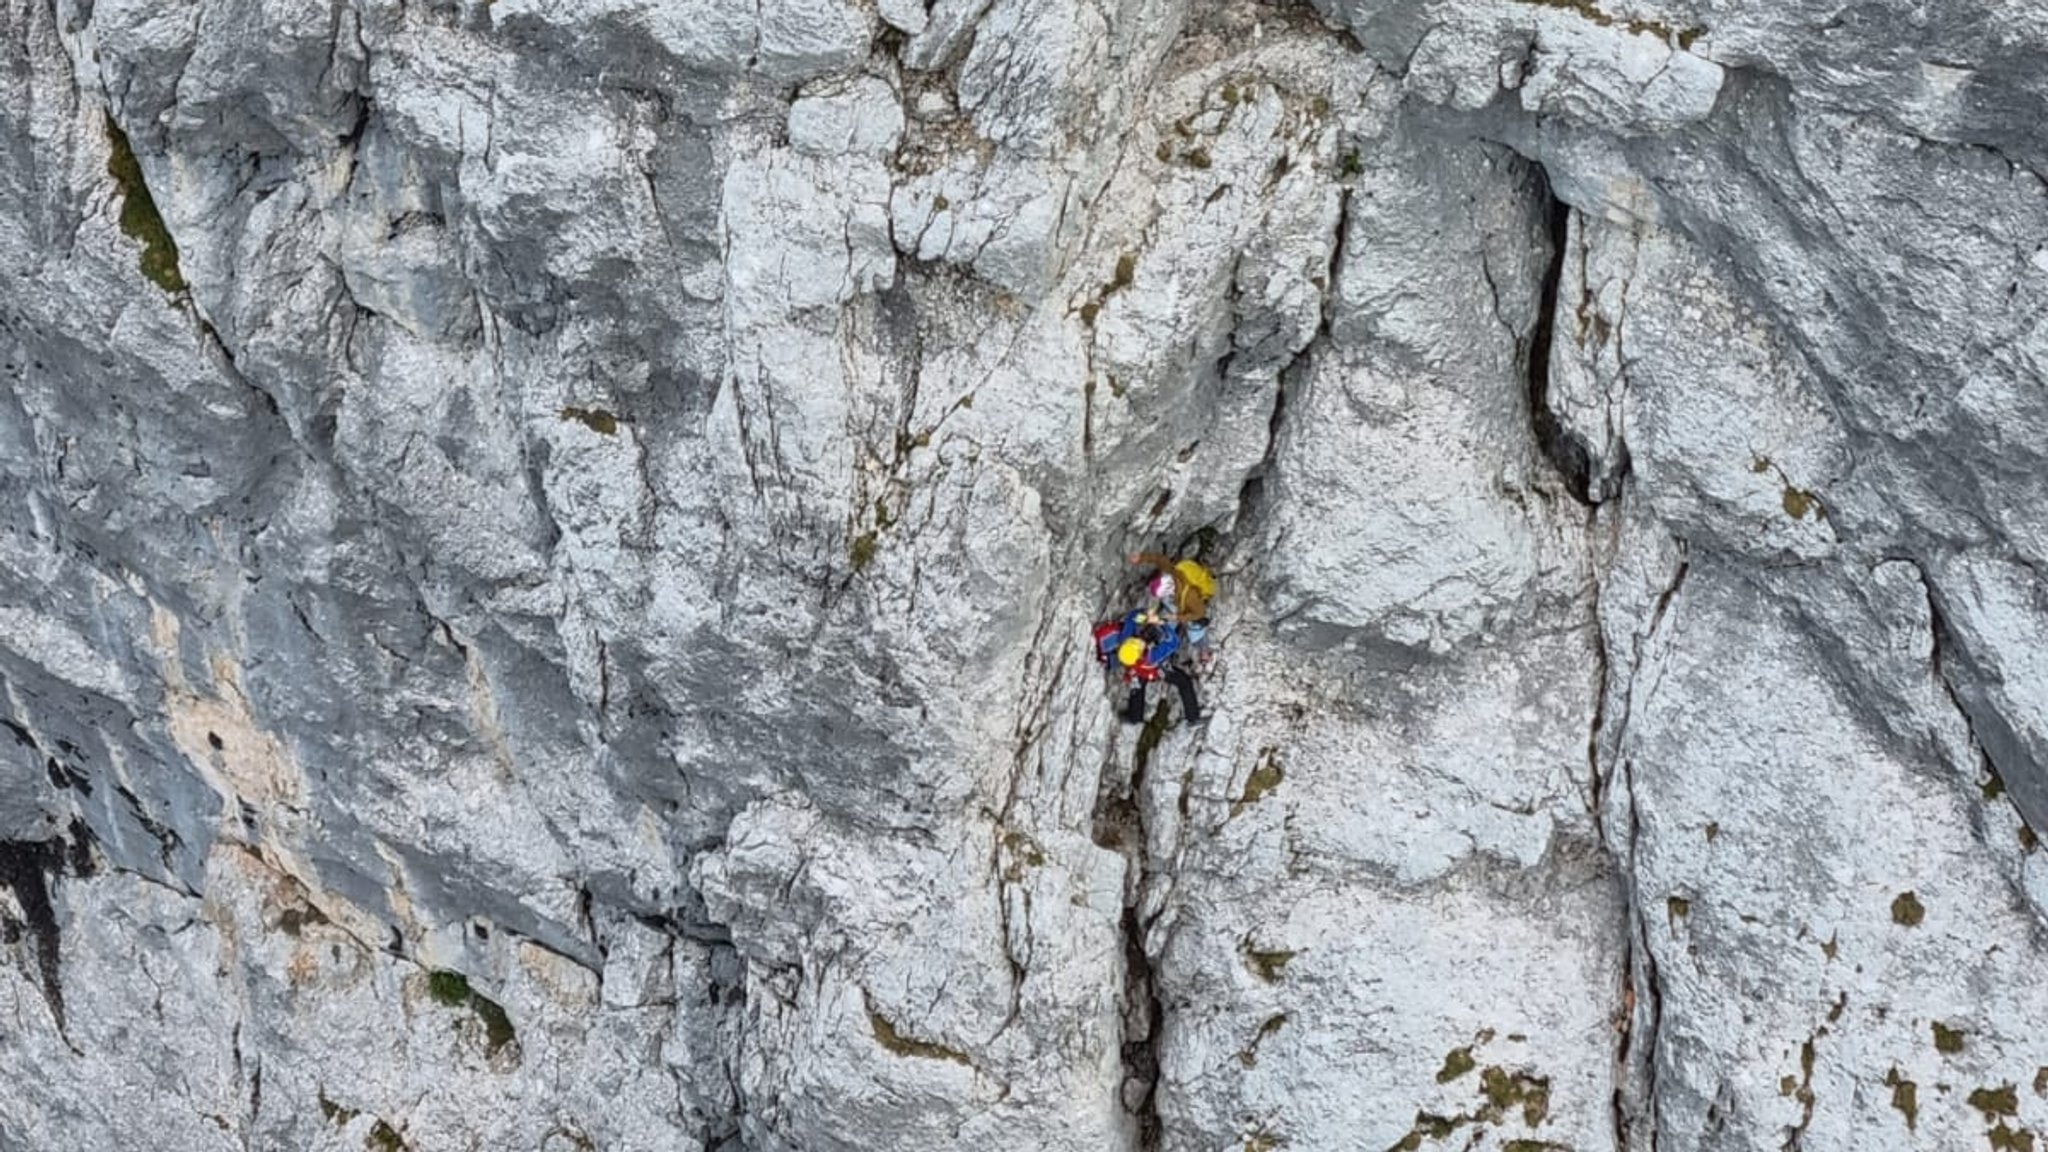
(550, 548)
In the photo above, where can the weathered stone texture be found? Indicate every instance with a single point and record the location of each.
(551, 547)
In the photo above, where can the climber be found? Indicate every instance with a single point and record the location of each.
(1183, 589)
(1176, 674)
(1146, 647)
(1128, 638)
(1160, 598)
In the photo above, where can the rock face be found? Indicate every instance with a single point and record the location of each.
(552, 546)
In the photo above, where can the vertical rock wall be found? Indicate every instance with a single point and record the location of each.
(550, 548)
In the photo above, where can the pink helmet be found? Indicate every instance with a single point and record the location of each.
(1161, 587)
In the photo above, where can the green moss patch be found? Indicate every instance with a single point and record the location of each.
(140, 219)
(2005, 1138)
(1126, 274)
(1021, 853)
(861, 552)
(1121, 280)
(1506, 1091)
(295, 920)
(2003, 1100)
(1429, 1127)
(384, 1138)
(1905, 1098)
(596, 419)
(1265, 776)
(1799, 503)
(335, 1113)
(1268, 964)
(497, 1026)
(449, 989)
(1993, 786)
(1947, 1041)
(1249, 1057)
(1187, 156)
(1516, 1097)
(1907, 910)
(888, 1037)
(1024, 848)
(452, 990)
(1685, 37)
(1457, 1062)
(1150, 737)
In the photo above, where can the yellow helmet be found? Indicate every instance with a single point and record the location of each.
(1130, 652)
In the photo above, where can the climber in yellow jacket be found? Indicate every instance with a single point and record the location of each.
(1181, 589)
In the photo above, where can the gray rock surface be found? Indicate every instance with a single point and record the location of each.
(552, 548)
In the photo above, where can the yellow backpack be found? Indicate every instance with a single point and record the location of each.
(1195, 576)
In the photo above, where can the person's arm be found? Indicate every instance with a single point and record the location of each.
(1167, 646)
(1153, 560)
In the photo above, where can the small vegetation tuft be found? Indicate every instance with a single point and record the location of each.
(140, 219)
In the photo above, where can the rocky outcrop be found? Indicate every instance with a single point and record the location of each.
(552, 547)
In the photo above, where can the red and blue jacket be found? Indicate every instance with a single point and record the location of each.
(1162, 640)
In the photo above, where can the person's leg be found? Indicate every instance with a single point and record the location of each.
(1134, 706)
(1190, 704)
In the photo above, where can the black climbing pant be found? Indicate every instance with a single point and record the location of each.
(1134, 706)
(1190, 704)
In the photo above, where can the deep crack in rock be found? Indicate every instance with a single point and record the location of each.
(25, 871)
(1120, 825)
(1562, 447)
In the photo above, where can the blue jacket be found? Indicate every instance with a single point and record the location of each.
(1157, 652)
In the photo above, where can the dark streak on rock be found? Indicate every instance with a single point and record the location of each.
(25, 869)
(1564, 449)
(2003, 756)
(1143, 1017)
(1634, 1102)
(1119, 825)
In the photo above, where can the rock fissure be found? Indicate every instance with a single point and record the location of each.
(1603, 683)
(25, 871)
(1634, 1103)
(1252, 492)
(1559, 445)
(1635, 1097)
(140, 219)
(1941, 638)
(1143, 1018)
(1120, 825)
(554, 232)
